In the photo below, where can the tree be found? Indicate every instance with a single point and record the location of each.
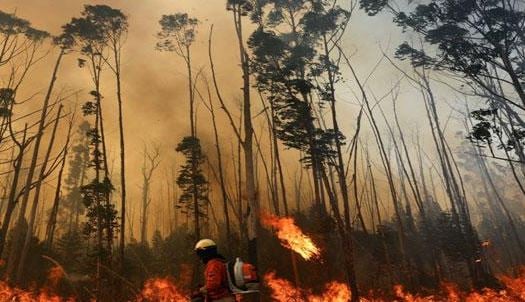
(177, 35)
(479, 44)
(114, 24)
(192, 181)
(32, 215)
(52, 221)
(19, 47)
(240, 9)
(20, 248)
(295, 74)
(150, 164)
(220, 177)
(91, 34)
(78, 165)
(109, 27)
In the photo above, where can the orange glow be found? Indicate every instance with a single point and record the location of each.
(166, 290)
(161, 290)
(283, 290)
(54, 276)
(8, 293)
(292, 237)
(516, 285)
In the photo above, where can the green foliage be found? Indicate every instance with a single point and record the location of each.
(191, 179)
(373, 7)
(99, 26)
(7, 99)
(479, 43)
(488, 127)
(177, 33)
(291, 70)
(469, 35)
(11, 25)
(244, 7)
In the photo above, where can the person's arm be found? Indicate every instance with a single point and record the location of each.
(214, 277)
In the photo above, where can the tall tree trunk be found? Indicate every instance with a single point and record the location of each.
(29, 180)
(36, 197)
(340, 167)
(116, 56)
(253, 213)
(222, 183)
(478, 274)
(12, 199)
(5, 190)
(144, 213)
(51, 224)
(346, 240)
(151, 163)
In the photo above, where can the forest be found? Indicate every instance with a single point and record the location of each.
(349, 150)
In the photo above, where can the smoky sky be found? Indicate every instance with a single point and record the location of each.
(155, 92)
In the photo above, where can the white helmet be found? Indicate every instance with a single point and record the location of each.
(204, 244)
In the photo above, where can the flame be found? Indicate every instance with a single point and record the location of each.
(283, 290)
(161, 290)
(516, 285)
(8, 293)
(292, 237)
(514, 291)
(46, 294)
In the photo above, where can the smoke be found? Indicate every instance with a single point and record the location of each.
(155, 92)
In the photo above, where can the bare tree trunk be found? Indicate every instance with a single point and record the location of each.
(12, 200)
(385, 162)
(273, 198)
(151, 163)
(8, 181)
(485, 169)
(340, 167)
(222, 183)
(36, 197)
(29, 180)
(254, 211)
(456, 193)
(346, 240)
(116, 55)
(51, 225)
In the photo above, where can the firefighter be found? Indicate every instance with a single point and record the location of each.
(216, 286)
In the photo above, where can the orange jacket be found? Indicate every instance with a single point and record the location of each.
(216, 279)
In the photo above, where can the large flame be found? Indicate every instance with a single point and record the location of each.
(292, 237)
(161, 290)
